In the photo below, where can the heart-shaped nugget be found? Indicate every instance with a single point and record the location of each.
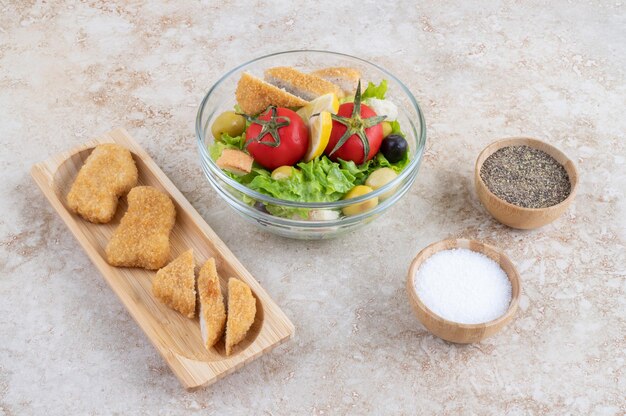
(108, 173)
(143, 237)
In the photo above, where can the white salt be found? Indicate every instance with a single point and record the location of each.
(463, 286)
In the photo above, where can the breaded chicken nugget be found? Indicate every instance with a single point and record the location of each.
(175, 285)
(212, 311)
(108, 173)
(241, 312)
(143, 237)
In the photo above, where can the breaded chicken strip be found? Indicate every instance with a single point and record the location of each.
(143, 237)
(306, 86)
(254, 95)
(175, 285)
(108, 173)
(212, 311)
(241, 312)
(345, 78)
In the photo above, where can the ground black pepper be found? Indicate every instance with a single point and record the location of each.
(526, 177)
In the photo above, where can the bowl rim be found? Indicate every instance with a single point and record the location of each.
(410, 169)
(419, 258)
(534, 143)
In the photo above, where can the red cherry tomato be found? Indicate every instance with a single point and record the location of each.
(353, 148)
(292, 134)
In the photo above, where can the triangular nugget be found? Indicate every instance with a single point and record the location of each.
(212, 311)
(241, 312)
(175, 285)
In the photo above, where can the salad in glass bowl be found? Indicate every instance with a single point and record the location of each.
(310, 147)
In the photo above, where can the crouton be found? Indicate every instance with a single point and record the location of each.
(235, 161)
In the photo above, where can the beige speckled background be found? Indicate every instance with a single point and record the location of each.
(481, 70)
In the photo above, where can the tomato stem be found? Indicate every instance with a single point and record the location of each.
(270, 126)
(356, 125)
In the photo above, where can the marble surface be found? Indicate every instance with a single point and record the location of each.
(554, 70)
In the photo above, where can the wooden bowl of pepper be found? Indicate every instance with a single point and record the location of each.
(525, 183)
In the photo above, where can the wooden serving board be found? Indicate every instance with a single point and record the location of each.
(176, 337)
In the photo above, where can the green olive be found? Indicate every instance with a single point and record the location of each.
(282, 172)
(361, 207)
(230, 123)
(381, 177)
(386, 128)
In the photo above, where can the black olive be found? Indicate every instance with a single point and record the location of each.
(394, 147)
(261, 207)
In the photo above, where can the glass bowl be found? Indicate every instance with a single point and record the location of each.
(221, 97)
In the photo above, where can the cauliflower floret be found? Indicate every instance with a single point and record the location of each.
(323, 215)
(383, 108)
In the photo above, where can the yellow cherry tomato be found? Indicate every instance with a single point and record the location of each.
(361, 207)
(386, 128)
(381, 177)
(282, 172)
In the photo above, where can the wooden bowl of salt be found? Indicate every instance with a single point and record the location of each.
(463, 291)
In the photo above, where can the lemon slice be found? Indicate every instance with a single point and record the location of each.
(326, 102)
(319, 134)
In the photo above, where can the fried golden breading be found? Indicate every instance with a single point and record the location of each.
(212, 311)
(345, 78)
(255, 95)
(241, 312)
(108, 173)
(175, 285)
(143, 237)
(306, 86)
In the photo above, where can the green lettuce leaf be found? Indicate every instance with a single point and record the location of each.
(319, 180)
(226, 142)
(215, 150)
(395, 128)
(237, 142)
(380, 161)
(375, 91)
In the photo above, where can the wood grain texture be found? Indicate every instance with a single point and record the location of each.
(454, 331)
(513, 215)
(176, 337)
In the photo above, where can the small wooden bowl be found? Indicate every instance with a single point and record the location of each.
(454, 331)
(515, 216)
